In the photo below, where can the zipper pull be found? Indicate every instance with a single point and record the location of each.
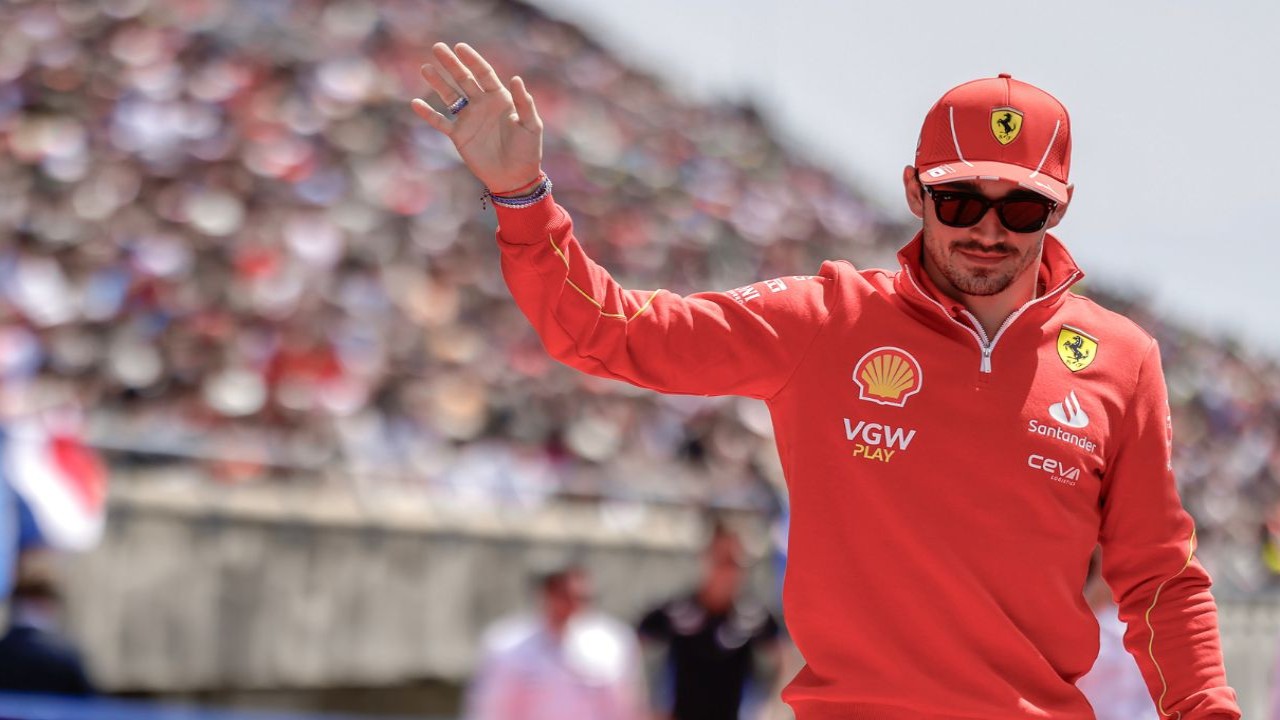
(986, 360)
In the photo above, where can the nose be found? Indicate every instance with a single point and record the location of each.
(988, 230)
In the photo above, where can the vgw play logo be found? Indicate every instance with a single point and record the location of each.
(874, 441)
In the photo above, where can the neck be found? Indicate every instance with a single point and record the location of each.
(990, 310)
(715, 602)
(555, 628)
(36, 615)
(993, 310)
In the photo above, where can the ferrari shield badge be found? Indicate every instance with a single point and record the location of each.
(1076, 348)
(1006, 123)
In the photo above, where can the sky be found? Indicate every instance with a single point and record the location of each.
(1174, 109)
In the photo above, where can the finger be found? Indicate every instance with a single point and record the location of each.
(479, 67)
(432, 75)
(525, 109)
(433, 118)
(462, 77)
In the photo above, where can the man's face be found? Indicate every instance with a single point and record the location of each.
(985, 258)
(566, 596)
(724, 566)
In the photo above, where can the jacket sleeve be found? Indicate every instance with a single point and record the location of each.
(746, 341)
(1148, 560)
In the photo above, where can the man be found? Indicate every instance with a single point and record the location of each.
(706, 646)
(34, 654)
(568, 663)
(957, 436)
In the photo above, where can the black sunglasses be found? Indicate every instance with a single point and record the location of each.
(1018, 213)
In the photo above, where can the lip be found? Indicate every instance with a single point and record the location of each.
(984, 258)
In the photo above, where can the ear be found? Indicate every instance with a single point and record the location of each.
(915, 191)
(1061, 210)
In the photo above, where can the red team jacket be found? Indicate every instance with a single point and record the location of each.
(947, 489)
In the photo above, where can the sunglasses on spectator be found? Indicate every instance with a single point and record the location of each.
(1020, 213)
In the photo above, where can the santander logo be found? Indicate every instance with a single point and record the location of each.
(1069, 413)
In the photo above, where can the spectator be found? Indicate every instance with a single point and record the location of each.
(707, 649)
(566, 663)
(34, 655)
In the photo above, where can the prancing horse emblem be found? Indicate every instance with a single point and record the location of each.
(1006, 123)
(1076, 348)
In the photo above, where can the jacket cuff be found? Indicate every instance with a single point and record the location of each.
(529, 225)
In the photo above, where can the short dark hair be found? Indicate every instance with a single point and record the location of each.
(557, 579)
(36, 588)
(551, 574)
(722, 530)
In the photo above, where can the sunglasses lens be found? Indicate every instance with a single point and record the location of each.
(1017, 214)
(1024, 215)
(959, 209)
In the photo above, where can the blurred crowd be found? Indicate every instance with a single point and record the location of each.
(1226, 421)
(228, 239)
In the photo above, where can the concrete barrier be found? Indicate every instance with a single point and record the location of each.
(201, 588)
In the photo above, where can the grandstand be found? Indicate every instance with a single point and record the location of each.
(273, 294)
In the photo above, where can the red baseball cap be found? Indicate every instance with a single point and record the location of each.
(997, 128)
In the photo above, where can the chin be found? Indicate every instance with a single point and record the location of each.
(981, 285)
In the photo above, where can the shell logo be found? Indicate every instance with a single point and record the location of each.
(888, 376)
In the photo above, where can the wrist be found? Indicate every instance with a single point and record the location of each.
(534, 194)
(524, 189)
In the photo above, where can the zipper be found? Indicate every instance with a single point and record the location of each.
(989, 346)
(975, 327)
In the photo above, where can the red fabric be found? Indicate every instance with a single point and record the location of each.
(942, 518)
(318, 363)
(81, 465)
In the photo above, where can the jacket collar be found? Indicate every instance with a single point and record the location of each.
(1058, 272)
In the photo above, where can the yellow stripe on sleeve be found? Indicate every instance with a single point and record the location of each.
(1191, 551)
(593, 301)
(563, 257)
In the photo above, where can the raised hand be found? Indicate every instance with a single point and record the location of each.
(498, 133)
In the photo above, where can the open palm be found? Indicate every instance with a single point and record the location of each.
(498, 133)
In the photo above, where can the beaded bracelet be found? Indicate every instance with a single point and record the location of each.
(542, 190)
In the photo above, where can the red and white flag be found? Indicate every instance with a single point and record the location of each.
(59, 478)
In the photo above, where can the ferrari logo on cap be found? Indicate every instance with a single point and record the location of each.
(1006, 123)
(1076, 348)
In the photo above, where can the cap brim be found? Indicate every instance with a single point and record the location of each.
(988, 170)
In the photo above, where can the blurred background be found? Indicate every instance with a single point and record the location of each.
(275, 440)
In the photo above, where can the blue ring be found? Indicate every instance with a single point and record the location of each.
(457, 106)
